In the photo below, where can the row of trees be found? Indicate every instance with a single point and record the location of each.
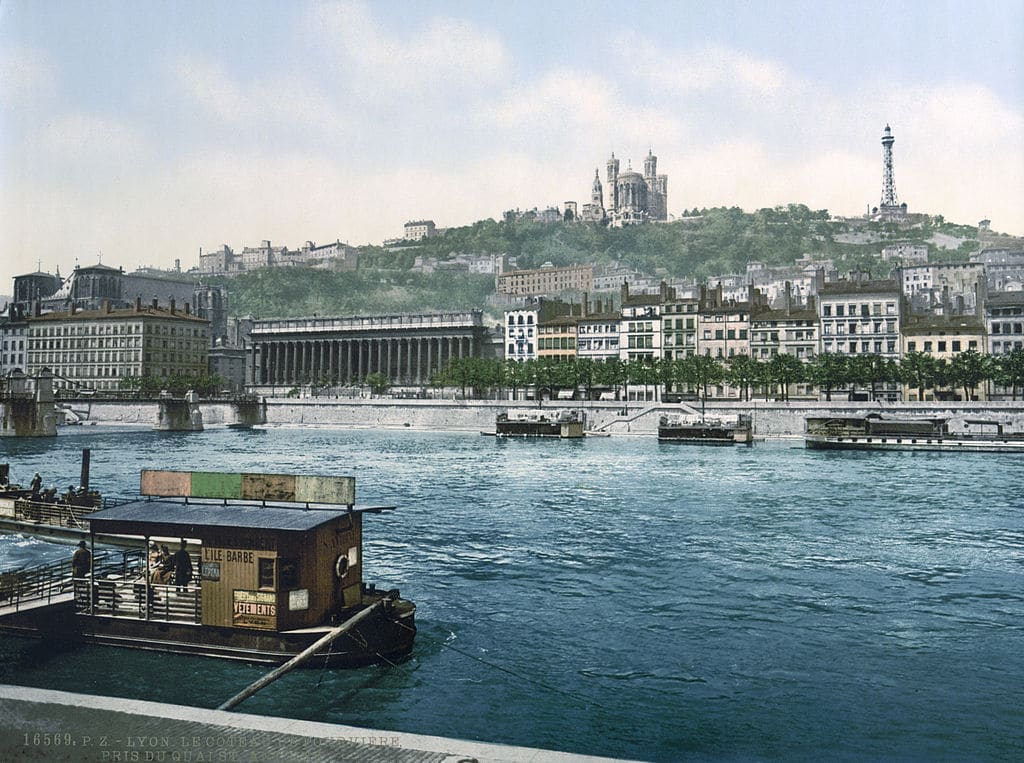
(769, 378)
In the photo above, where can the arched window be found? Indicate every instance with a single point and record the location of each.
(520, 321)
(529, 320)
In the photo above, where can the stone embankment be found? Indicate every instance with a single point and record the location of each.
(771, 419)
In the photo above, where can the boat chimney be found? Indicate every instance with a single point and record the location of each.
(84, 481)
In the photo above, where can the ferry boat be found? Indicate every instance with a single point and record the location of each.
(277, 563)
(566, 424)
(942, 433)
(706, 431)
(34, 509)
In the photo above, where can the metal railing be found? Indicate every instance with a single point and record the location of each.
(115, 596)
(46, 582)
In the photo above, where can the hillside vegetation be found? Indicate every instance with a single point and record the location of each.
(708, 242)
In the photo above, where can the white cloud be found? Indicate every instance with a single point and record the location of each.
(80, 138)
(288, 101)
(27, 75)
(446, 57)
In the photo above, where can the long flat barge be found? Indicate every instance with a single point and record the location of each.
(921, 433)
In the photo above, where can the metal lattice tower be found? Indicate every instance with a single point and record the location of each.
(888, 184)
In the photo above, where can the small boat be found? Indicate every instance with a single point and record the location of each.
(706, 431)
(33, 509)
(934, 433)
(565, 424)
(277, 563)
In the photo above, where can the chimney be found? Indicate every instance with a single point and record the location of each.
(625, 292)
(37, 308)
(789, 298)
(586, 304)
(106, 307)
(138, 303)
(188, 309)
(171, 300)
(155, 303)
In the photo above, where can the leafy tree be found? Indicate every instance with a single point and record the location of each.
(1008, 371)
(377, 382)
(828, 371)
(968, 370)
(743, 371)
(701, 371)
(785, 370)
(918, 370)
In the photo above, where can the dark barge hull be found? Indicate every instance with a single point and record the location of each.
(697, 435)
(386, 636)
(553, 429)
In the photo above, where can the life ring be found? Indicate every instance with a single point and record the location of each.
(341, 566)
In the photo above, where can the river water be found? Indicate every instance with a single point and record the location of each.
(621, 597)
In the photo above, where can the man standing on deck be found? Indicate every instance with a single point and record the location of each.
(81, 561)
(182, 566)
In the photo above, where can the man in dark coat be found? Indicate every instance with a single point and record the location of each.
(81, 561)
(182, 566)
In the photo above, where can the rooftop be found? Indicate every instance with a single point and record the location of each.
(181, 518)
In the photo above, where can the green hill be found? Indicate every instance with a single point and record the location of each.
(706, 242)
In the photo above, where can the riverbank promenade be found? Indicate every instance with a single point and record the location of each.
(37, 724)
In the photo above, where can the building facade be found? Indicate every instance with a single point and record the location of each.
(1004, 320)
(546, 281)
(406, 349)
(416, 230)
(861, 316)
(95, 349)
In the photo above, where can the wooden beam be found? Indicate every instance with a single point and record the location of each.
(298, 659)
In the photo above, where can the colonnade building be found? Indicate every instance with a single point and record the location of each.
(406, 349)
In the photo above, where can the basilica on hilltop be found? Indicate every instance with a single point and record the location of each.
(632, 198)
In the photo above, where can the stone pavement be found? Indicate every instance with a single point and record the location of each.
(38, 724)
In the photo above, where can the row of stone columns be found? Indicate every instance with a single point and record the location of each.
(402, 360)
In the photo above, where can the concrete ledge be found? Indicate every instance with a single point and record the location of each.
(39, 724)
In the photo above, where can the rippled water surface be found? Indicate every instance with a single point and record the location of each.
(622, 597)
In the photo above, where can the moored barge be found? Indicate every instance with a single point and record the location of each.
(565, 424)
(276, 564)
(931, 433)
(706, 431)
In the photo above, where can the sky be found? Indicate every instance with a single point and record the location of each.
(139, 133)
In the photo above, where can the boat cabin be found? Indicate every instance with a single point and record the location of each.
(268, 551)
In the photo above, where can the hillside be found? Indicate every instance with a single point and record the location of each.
(706, 242)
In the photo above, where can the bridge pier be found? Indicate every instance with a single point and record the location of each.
(249, 411)
(27, 403)
(179, 414)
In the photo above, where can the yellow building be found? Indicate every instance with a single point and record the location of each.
(95, 349)
(943, 339)
(556, 338)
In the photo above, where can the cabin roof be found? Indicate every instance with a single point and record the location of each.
(189, 519)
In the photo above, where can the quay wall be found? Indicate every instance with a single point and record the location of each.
(772, 419)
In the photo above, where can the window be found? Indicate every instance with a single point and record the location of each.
(826, 310)
(266, 573)
(956, 345)
(911, 346)
(942, 346)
